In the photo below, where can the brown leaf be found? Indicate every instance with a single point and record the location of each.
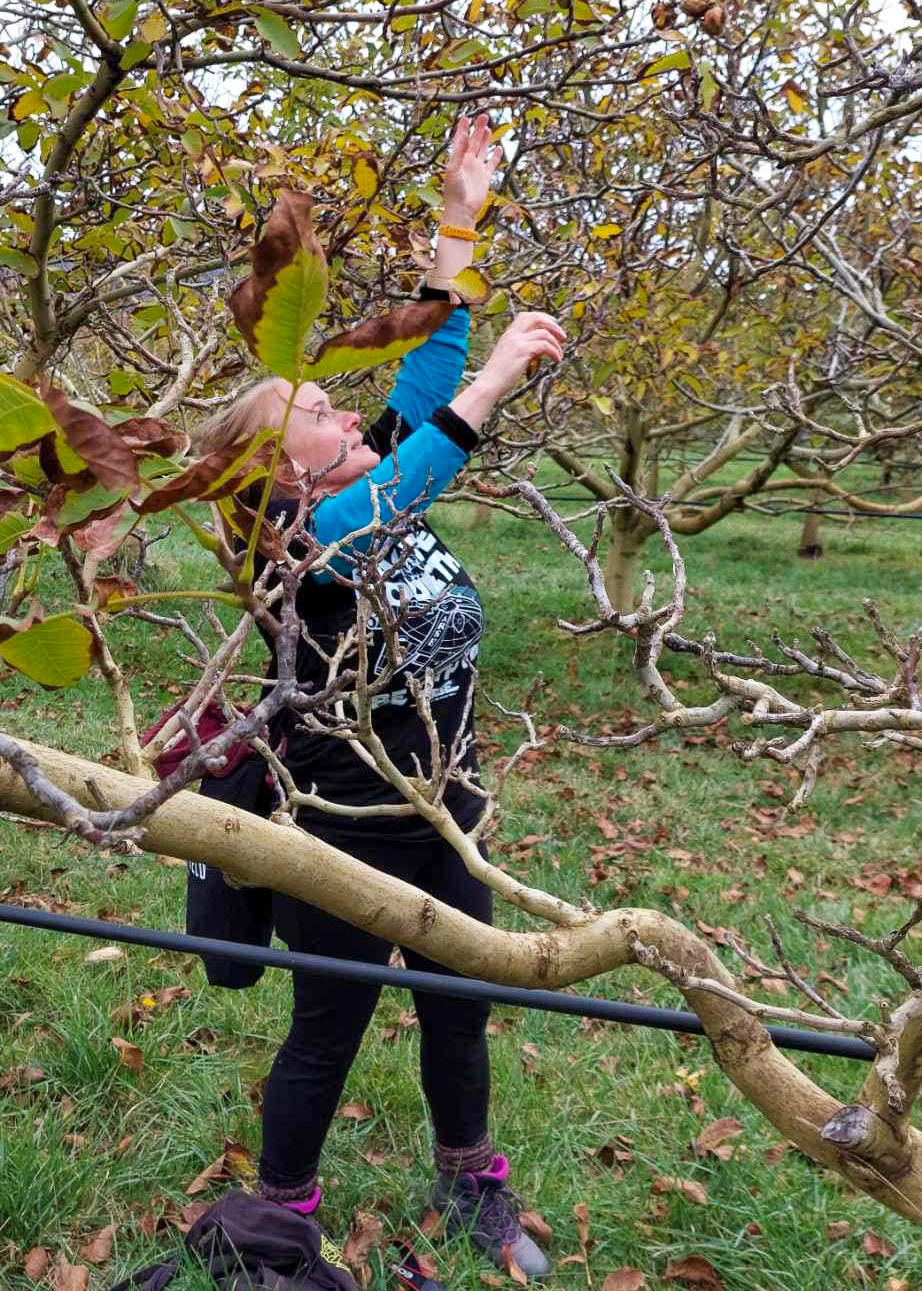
(129, 1055)
(897, 1284)
(201, 1181)
(199, 479)
(512, 1268)
(104, 955)
(22, 1077)
(581, 1215)
(36, 1264)
(689, 1188)
(104, 535)
(378, 339)
(188, 1215)
(355, 1111)
(695, 1270)
(713, 1135)
(152, 436)
(100, 445)
(123, 1144)
(69, 1277)
(105, 588)
(365, 1234)
(287, 234)
(837, 1230)
(431, 1223)
(239, 1162)
(625, 1279)
(99, 1248)
(491, 1280)
(537, 1225)
(874, 1244)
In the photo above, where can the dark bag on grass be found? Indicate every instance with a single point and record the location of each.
(213, 907)
(247, 1244)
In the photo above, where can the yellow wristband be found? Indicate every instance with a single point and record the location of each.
(455, 231)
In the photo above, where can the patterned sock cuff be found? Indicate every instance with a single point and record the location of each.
(302, 1192)
(469, 1160)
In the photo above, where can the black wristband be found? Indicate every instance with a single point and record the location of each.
(456, 429)
(436, 293)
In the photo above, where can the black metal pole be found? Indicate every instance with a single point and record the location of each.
(435, 983)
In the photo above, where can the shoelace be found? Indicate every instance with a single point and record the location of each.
(498, 1215)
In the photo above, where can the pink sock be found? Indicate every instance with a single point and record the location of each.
(499, 1170)
(307, 1206)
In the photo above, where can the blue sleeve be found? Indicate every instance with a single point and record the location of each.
(428, 461)
(429, 375)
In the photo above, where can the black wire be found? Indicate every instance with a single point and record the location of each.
(433, 983)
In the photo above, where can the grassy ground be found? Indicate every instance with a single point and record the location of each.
(590, 1114)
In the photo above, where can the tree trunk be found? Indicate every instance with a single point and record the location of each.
(621, 564)
(809, 546)
(629, 529)
(257, 852)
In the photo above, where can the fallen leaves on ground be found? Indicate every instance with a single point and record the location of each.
(695, 1270)
(355, 1111)
(512, 1267)
(104, 955)
(874, 1244)
(537, 1225)
(129, 1055)
(36, 1264)
(235, 1162)
(689, 1188)
(69, 1277)
(625, 1279)
(837, 1230)
(365, 1234)
(99, 1248)
(713, 1138)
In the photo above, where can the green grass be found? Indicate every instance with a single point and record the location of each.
(95, 1143)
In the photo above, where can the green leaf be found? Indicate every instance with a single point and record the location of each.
(276, 306)
(28, 135)
(135, 53)
(62, 85)
(118, 17)
(379, 340)
(679, 61)
(708, 84)
(24, 418)
(21, 261)
(54, 653)
(276, 32)
(78, 507)
(532, 7)
(12, 527)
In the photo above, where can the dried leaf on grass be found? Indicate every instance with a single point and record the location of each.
(36, 1264)
(537, 1225)
(874, 1244)
(696, 1271)
(104, 955)
(714, 1136)
(69, 1277)
(235, 1162)
(689, 1188)
(431, 1223)
(625, 1279)
(837, 1230)
(512, 1268)
(99, 1248)
(355, 1111)
(366, 1233)
(129, 1055)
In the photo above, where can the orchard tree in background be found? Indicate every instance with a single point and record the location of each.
(677, 182)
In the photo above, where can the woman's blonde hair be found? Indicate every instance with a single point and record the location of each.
(239, 420)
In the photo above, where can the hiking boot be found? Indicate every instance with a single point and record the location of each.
(483, 1207)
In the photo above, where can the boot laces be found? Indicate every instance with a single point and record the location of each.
(498, 1213)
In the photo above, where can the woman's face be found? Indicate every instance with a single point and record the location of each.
(316, 433)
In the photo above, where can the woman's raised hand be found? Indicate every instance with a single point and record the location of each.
(470, 167)
(528, 338)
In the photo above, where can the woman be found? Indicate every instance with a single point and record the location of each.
(436, 429)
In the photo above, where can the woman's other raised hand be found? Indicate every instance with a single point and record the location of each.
(471, 165)
(529, 338)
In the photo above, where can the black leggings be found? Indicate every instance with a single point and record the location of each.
(330, 1017)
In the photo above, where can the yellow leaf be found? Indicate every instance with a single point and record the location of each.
(606, 230)
(471, 285)
(603, 403)
(406, 23)
(28, 105)
(153, 27)
(366, 181)
(794, 95)
(582, 12)
(474, 10)
(680, 61)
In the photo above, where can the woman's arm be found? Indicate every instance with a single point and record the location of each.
(428, 461)
(429, 375)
